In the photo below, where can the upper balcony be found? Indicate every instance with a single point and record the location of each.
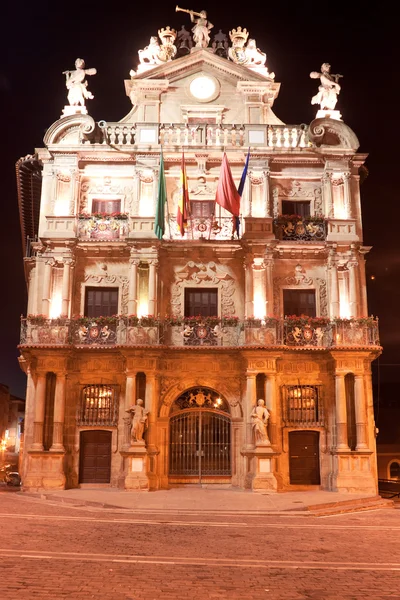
(202, 135)
(292, 332)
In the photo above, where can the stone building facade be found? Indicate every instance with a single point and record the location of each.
(204, 325)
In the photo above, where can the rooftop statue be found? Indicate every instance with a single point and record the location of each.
(201, 30)
(329, 89)
(156, 54)
(76, 84)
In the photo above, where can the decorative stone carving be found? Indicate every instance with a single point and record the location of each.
(77, 86)
(259, 420)
(108, 187)
(199, 274)
(329, 89)
(154, 54)
(108, 279)
(249, 55)
(139, 416)
(201, 29)
(185, 42)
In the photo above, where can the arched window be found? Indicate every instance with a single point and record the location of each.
(395, 470)
(99, 405)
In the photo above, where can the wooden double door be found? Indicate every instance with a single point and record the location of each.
(95, 456)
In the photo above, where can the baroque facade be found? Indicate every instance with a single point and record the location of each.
(250, 350)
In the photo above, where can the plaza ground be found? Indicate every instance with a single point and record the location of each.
(56, 547)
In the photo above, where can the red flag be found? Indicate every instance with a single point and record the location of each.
(183, 204)
(227, 195)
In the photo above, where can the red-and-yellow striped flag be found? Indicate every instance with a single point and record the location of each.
(183, 204)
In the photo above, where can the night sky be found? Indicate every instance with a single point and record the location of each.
(40, 40)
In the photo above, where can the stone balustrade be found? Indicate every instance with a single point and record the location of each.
(204, 135)
(115, 331)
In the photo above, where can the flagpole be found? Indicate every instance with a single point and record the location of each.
(168, 216)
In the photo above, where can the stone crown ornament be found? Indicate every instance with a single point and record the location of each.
(239, 33)
(167, 34)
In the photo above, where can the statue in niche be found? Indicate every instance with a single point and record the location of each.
(139, 416)
(76, 84)
(259, 420)
(329, 89)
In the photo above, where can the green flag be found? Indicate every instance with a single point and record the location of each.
(159, 223)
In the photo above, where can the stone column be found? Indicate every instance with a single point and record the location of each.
(40, 397)
(347, 195)
(267, 204)
(341, 413)
(271, 404)
(353, 288)
(269, 283)
(249, 303)
(66, 286)
(48, 267)
(151, 405)
(152, 286)
(250, 402)
(132, 289)
(359, 404)
(326, 183)
(59, 412)
(334, 285)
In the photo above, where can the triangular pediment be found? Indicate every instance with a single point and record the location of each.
(201, 61)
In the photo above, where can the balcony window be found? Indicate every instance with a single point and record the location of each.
(301, 208)
(203, 302)
(106, 207)
(101, 302)
(202, 208)
(299, 302)
(99, 406)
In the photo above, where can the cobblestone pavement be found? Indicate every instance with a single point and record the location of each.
(53, 551)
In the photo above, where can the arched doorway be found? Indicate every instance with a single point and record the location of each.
(304, 457)
(95, 456)
(200, 438)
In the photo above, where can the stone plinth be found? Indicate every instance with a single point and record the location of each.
(44, 471)
(136, 458)
(261, 477)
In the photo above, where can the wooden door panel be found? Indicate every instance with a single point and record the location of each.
(304, 457)
(95, 457)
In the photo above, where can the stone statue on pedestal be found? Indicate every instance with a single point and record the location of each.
(329, 89)
(76, 84)
(259, 419)
(139, 416)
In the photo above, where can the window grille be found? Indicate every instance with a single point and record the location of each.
(99, 406)
(302, 405)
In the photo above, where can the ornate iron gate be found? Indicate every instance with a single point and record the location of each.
(200, 444)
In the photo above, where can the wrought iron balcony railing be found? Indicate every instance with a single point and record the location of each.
(311, 229)
(124, 331)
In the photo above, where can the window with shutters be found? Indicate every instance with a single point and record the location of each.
(101, 302)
